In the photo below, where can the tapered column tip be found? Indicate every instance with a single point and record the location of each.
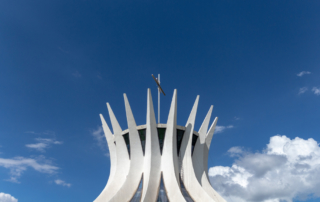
(103, 120)
(125, 98)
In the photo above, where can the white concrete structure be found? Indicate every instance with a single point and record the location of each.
(159, 162)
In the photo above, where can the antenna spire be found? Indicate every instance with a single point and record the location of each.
(157, 80)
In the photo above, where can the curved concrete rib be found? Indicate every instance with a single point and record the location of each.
(188, 176)
(207, 146)
(152, 159)
(133, 178)
(122, 162)
(113, 160)
(111, 145)
(204, 176)
(169, 159)
(115, 125)
(200, 159)
(209, 135)
(198, 152)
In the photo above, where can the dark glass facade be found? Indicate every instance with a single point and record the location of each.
(180, 134)
(142, 135)
(137, 195)
(162, 195)
(185, 192)
(194, 141)
(127, 140)
(161, 136)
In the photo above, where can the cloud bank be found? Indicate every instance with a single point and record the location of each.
(220, 129)
(302, 90)
(43, 143)
(7, 198)
(99, 136)
(316, 90)
(18, 165)
(303, 73)
(287, 169)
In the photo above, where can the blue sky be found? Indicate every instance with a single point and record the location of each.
(257, 62)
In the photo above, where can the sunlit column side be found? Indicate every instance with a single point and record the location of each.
(205, 178)
(188, 176)
(208, 139)
(113, 160)
(152, 158)
(169, 158)
(123, 160)
(133, 178)
(198, 163)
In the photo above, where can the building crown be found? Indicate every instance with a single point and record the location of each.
(159, 162)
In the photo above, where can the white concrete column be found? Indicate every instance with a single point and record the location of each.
(198, 163)
(123, 161)
(169, 159)
(205, 178)
(113, 161)
(133, 178)
(152, 158)
(201, 164)
(188, 176)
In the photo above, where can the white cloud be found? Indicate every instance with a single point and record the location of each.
(235, 151)
(316, 90)
(43, 143)
(220, 129)
(63, 183)
(38, 146)
(18, 165)
(303, 73)
(48, 141)
(302, 90)
(7, 198)
(99, 136)
(287, 169)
